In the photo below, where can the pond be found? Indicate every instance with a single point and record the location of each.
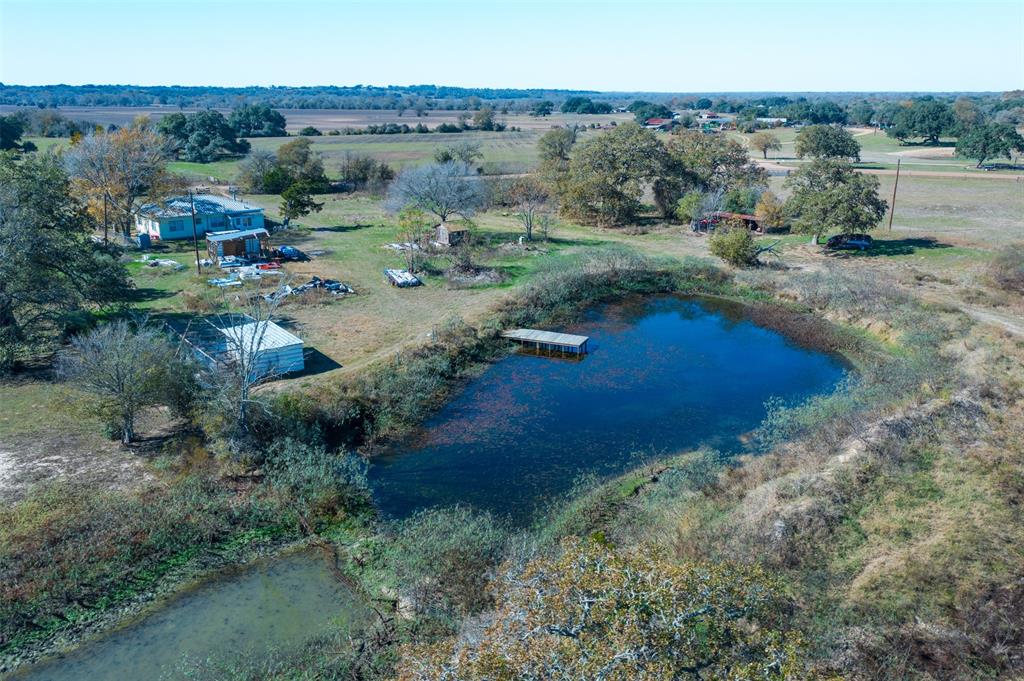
(275, 603)
(664, 374)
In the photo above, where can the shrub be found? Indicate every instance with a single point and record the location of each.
(733, 243)
(203, 302)
(319, 486)
(688, 207)
(1007, 267)
(69, 551)
(592, 613)
(741, 199)
(443, 559)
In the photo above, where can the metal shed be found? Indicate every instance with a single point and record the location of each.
(276, 351)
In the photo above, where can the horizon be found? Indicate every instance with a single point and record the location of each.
(654, 47)
(553, 90)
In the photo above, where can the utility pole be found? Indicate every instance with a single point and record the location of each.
(892, 208)
(195, 236)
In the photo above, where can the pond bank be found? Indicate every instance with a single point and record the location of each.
(274, 603)
(433, 374)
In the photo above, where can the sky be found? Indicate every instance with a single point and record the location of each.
(587, 45)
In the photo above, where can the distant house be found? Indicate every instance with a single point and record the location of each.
(172, 219)
(659, 123)
(450, 235)
(772, 121)
(245, 243)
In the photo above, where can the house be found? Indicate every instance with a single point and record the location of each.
(772, 121)
(271, 350)
(172, 218)
(244, 243)
(450, 235)
(658, 123)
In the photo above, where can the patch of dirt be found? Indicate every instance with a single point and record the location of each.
(28, 460)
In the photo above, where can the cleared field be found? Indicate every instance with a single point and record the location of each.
(332, 119)
(503, 152)
(879, 151)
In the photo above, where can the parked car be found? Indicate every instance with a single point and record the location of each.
(859, 242)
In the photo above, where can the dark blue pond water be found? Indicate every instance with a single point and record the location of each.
(664, 375)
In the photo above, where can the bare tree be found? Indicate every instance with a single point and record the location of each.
(235, 373)
(443, 189)
(711, 202)
(121, 167)
(530, 198)
(125, 369)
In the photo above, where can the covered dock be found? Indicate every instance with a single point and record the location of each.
(548, 340)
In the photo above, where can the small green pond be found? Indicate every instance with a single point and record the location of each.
(275, 603)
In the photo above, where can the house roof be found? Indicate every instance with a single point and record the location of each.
(206, 204)
(658, 121)
(236, 234)
(273, 336)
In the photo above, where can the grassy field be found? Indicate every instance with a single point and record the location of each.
(879, 151)
(331, 119)
(959, 211)
(349, 240)
(503, 152)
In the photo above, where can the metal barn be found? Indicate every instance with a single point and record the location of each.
(276, 351)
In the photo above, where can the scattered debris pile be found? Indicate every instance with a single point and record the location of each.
(331, 286)
(160, 262)
(401, 278)
(404, 246)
